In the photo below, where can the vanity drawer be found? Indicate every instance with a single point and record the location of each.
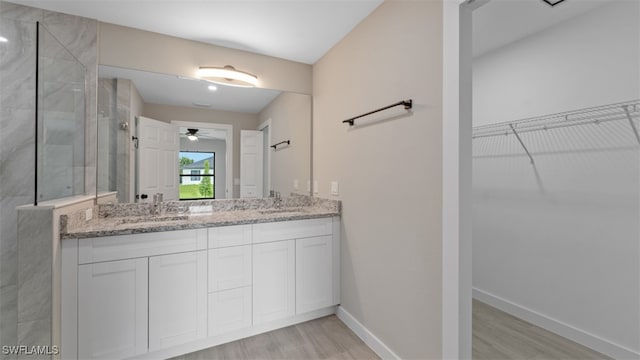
(229, 268)
(224, 236)
(120, 247)
(296, 229)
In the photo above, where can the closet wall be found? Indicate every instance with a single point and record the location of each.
(557, 242)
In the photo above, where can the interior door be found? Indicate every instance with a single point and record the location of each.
(251, 154)
(158, 147)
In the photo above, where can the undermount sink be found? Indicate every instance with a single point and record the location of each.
(283, 210)
(146, 219)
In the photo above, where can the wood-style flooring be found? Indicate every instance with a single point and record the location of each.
(498, 335)
(324, 338)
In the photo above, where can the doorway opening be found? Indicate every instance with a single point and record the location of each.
(549, 182)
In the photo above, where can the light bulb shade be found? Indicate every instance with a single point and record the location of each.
(192, 137)
(228, 75)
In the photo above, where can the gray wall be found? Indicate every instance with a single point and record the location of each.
(290, 115)
(390, 171)
(17, 142)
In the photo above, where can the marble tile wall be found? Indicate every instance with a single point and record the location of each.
(35, 231)
(17, 148)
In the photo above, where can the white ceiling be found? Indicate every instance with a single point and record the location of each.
(180, 91)
(501, 22)
(298, 30)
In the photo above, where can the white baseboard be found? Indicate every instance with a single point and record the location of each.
(565, 330)
(367, 336)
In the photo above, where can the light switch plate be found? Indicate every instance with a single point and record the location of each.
(315, 186)
(334, 188)
(309, 185)
(296, 184)
(88, 214)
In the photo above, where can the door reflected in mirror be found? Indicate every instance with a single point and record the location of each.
(209, 125)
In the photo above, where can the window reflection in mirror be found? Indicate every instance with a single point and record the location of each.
(197, 175)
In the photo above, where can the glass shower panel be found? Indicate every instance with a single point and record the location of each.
(60, 142)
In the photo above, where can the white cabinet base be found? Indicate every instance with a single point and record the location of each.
(177, 298)
(235, 335)
(274, 280)
(112, 309)
(229, 310)
(314, 277)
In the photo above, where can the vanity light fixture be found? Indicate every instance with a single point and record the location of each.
(228, 75)
(3, 39)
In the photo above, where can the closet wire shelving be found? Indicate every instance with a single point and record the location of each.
(627, 112)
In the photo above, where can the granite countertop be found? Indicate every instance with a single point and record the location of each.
(123, 220)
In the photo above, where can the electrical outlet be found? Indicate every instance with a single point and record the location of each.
(296, 185)
(334, 188)
(315, 186)
(308, 185)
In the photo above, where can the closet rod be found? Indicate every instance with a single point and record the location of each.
(406, 103)
(629, 111)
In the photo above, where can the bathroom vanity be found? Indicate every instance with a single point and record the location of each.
(164, 285)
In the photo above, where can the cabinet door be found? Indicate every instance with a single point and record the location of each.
(229, 310)
(273, 281)
(229, 268)
(314, 273)
(177, 298)
(112, 309)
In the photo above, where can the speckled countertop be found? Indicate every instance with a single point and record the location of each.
(122, 219)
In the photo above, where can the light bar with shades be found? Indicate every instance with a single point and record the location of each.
(228, 75)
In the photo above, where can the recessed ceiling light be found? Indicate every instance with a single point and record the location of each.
(212, 88)
(3, 39)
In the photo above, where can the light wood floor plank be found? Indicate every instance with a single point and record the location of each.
(498, 335)
(324, 338)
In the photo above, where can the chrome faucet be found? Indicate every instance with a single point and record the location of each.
(277, 201)
(157, 204)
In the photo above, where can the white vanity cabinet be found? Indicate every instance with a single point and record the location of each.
(157, 295)
(177, 299)
(274, 281)
(134, 293)
(230, 279)
(314, 274)
(112, 309)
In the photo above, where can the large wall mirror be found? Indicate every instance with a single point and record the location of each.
(192, 139)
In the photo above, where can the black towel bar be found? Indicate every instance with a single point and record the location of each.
(406, 103)
(274, 146)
